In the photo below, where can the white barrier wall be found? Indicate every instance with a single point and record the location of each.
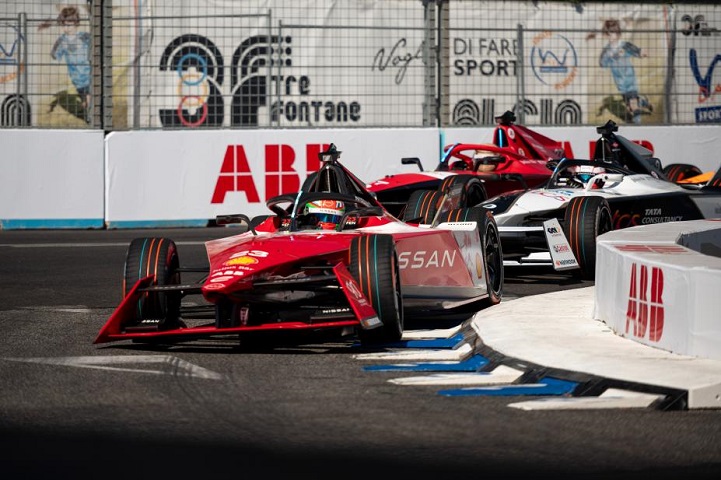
(181, 178)
(155, 178)
(655, 287)
(51, 179)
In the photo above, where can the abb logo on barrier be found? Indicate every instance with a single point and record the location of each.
(645, 303)
(280, 176)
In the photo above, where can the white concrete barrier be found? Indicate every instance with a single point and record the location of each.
(156, 178)
(660, 285)
(51, 179)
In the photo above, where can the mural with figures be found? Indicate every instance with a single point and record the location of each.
(198, 64)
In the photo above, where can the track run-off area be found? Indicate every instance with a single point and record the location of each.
(288, 406)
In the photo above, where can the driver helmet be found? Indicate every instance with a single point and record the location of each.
(326, 213)
(481, 160)
(584, 173)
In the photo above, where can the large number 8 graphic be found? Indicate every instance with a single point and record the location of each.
(200, 68)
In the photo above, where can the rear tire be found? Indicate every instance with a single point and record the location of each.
(422, 205)
(490, 243)
(681, 171)
(374, 265)
(585, 219)
(159, 257)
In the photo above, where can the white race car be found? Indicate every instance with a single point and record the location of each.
(622, 187)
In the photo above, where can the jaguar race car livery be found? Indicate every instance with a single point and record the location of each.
(558, 223)
(516, 159)
(328, 257)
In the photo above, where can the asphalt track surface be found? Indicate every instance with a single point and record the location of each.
(72, 409)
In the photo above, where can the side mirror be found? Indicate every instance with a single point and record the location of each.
(552, 164)
(412, 161)
(234, 219)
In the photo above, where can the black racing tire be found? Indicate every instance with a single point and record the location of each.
(491, 244)
(680, 171)
(374, 265)
(472, 193)
(422, 205)
(154, 256)
(584, 220)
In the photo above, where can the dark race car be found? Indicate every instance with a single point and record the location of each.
(622, 186)
(328, 257)
(516, 159)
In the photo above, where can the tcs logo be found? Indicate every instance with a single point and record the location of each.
(280, 174)
(645, 311)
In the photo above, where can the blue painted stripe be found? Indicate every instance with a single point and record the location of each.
(473, 364)
(546, 386)
(432, 343)
(56, 223)
(442, 138)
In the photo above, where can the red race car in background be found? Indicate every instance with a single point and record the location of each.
(516, 160)
(328, 257)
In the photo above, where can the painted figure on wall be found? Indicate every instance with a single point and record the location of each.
(616, 56)
(72, 47)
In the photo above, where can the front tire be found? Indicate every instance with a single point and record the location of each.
(158, 257)
(374, 265)
(585, 219)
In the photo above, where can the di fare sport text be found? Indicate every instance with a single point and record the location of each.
(489, 57)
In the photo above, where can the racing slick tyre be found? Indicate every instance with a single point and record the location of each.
(374, 265)
(585, 219)
(472, 192)
(423, 205)
(490, 243)
(680, 171)
(159, 257)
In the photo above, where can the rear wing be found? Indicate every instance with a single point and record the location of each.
(616, 149)
(526, 142)
(715, 183)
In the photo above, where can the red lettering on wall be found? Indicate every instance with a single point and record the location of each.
(641, 312)
(312, 162)
(645, 144)
(656, 320)
(632, 306)
(666, 249)
(280, 176)
(642, 320)
(235, 176)
(567, 150)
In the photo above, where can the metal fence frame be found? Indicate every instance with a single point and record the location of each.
(436, 58)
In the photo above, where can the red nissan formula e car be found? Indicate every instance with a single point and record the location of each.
(327, 257)
(517, 159)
